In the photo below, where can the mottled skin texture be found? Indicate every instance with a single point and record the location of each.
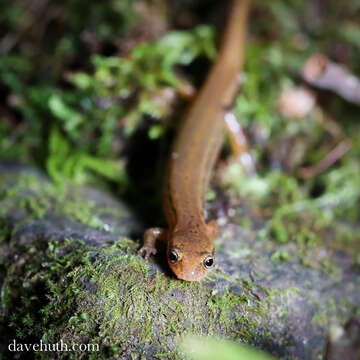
(189, 239)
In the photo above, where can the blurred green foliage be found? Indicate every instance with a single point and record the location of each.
(72, 129)
(73, 92)
(204, 348)
(299, 209)
(60, 33)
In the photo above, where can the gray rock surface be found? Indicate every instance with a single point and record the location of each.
(69, 270)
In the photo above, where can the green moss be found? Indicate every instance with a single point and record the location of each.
(221, 306)
(279, 256)
(326, 313)
(109, 296)
(291, 215)
(112, 297)
(43, 198)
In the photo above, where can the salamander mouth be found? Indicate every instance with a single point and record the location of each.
(191, 275)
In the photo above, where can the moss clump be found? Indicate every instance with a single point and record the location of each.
(38, 197)
(80, 293)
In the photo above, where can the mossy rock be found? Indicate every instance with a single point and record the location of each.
(69, 270)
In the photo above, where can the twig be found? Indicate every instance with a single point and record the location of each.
(321, 72)
(334, 155)
(239, 144)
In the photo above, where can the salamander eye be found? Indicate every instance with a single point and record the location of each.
(173, 256)
(208, 262)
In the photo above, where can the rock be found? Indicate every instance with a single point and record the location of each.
(69, 271)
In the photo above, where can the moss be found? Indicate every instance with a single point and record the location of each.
(84, 212)
(322, 317)
(278, 300)
(43, 197)
(292, 219)
(221, 306)
(279, 256)
(108, 296)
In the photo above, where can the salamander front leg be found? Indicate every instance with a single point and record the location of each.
(150, 237)
(213, 228)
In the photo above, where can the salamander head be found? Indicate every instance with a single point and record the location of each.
(191, 254)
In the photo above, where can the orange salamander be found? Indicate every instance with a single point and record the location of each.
(189, 239)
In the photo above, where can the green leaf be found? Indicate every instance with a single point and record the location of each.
(61, 110)
(205, 348)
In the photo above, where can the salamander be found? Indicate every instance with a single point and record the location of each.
(189, 239)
